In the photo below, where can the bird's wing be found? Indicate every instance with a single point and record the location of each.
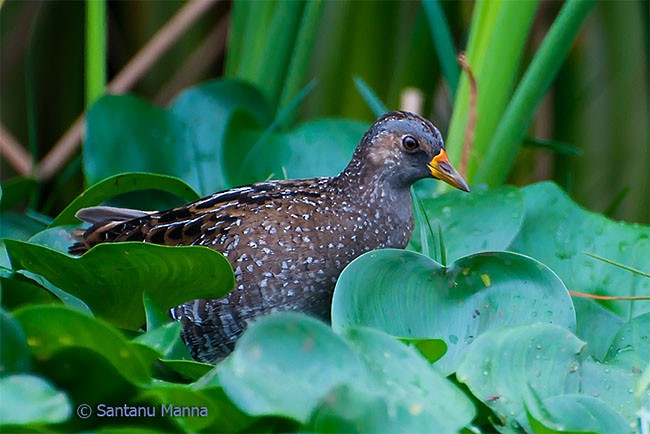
(204, 222)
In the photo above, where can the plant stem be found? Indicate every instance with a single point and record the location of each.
(507, 139)
(443, 43)
(95, 49)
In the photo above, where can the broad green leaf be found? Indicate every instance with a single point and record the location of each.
(119, 184)
(630, 348)
(285, 364)
(190, 369)
(291, 365)
(576, 413)
(67, 299)
(14, 354)
(163, 340)
(502, 363)
(184, 141)
(213, 410)
(149, 139)
(430, 349)
(51, 329)
(58, 238)
(596, 326)
(33, 401)
(111, 277)
(404, 380)
(409, 295)
(19, 226)
(472, 223)
(18, 290)
(318, 148)
(556, 231)
(614, 385)
(15, 190)
(206, 110)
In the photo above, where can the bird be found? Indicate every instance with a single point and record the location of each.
(288, 240)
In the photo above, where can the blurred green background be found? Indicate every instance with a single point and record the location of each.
(598, 103)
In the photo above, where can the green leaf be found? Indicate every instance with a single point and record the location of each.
(111, 277)
(120, 184)
(285, 364)
(501, 150)
(502, 363)
(408, 385)
(14, 354)
(630, 347)
(443, 43)
(190, 369)
(294, 366)
(557, 231)
(373, 101)
(149, 139)
(409, 295)
(206, 110)
(66, 299)
(33, 401)
(16, 190)
(184, 141)
(615, 386)
(471, 223)
(297, 153)
(51, 329)
(58, 238)
(18, 290)
(577, 413)
(430, 349)
(19, 226)
(596, 326)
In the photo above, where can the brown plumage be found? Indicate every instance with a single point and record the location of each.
(288, 241)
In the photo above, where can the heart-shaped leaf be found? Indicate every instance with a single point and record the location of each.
(409, 295)
(503, 363)
(575, 413)
(110, 278)
(557, 231)
(29, 399)
(470, 223)
(597, 326)
(318, 148)
(14, 354)
(184, 141)
(120, 184)
(292, 365)
(614, 385)
(51, 329)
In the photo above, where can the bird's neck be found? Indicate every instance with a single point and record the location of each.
(369, 189)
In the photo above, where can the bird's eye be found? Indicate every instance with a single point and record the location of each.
(410, 143)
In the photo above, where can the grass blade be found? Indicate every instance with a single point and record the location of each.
(619, 265)
(443, 43)
(375, 103)
(95, 49)
(498, 37)
(299, 65)
(502, 150)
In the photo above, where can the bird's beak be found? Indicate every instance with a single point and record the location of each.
(442, 169)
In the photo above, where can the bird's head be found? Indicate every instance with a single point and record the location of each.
(404, 147)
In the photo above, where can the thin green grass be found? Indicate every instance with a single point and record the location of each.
(95, 49)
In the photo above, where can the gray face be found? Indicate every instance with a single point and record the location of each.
(400, 145)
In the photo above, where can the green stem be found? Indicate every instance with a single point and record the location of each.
(95, 49)
(443, 43)
(507, 139)
(299, 65)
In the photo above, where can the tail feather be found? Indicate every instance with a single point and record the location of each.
(104, 219)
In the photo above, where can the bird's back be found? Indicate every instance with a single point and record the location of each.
(287, 242)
